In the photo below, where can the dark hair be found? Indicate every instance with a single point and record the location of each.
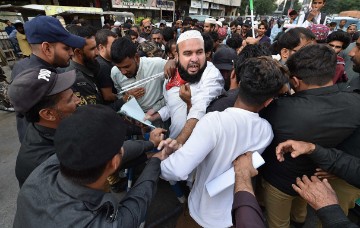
(264, 24)
(184, 29)
(313, 64)
(121, 49)
(186, 23)
(341, 36)
(292, 38)
(156, 31)
(106, 26)
(83, 177)
(249, 51)
(168, 46)
(234, 42)
(208, 42)
(18, 25)
(214, 36)
(261, 78)
(333, 23)
(168, 33)
(83, 31)
(234, 23)
(129, 21)
(133, 33)
(33, 116)
(293, 12)
(101, 37)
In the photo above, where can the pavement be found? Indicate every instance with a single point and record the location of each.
(10, 145)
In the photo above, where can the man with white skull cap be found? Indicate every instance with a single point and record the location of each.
(194, 78)
(209, 25)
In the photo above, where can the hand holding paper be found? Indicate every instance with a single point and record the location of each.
(132, 109)
(227, 179)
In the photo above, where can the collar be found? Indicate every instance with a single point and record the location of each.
(99, 57)
(45, 131)
(81, 68)
(318, 91)
(93, 199)
(37, 61)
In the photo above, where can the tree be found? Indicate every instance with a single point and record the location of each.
(264, 7)
(261, 7)
(297, 6)
(336, 6)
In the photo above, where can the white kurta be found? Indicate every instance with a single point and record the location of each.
(218, 138)
(203, 92)
(153, 90)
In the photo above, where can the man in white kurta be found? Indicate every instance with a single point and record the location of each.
(202, 93)
(220, 137)
(131, 68)
(204, 80)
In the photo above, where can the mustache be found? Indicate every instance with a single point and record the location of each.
(193, 64)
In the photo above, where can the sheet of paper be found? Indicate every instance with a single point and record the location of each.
(132, 109)
(227, 179)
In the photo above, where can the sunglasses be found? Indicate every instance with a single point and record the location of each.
(147, 27)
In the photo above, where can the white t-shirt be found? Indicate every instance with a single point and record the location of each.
(218, 138)
(203, 92)
(153, 97)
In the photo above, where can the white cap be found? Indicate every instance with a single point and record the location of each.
(210, 21)
(17, 21)
(117, 23)
(219, 23)
(190, 34)
(221, 19)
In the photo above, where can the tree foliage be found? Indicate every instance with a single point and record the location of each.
(261, 7)
(336, 6)
(264, 7)
(297, 6)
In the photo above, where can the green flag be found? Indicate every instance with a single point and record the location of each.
(251, 4)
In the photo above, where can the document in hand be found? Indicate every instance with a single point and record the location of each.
(227, 179)
(133, 110)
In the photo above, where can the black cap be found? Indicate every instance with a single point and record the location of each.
(89, 138)
(127, 26)
(247, 23)
(32, 85)
(224, 58)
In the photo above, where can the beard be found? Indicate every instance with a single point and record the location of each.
(133, 75)
(92, 64)
(191, 78)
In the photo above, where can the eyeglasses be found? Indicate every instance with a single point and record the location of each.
(147, 27)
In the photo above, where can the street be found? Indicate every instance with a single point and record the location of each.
(8, 151)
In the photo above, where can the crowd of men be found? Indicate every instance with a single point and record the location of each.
(223, 94)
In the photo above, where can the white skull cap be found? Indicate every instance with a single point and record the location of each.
(190, 34)
(210, 21)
